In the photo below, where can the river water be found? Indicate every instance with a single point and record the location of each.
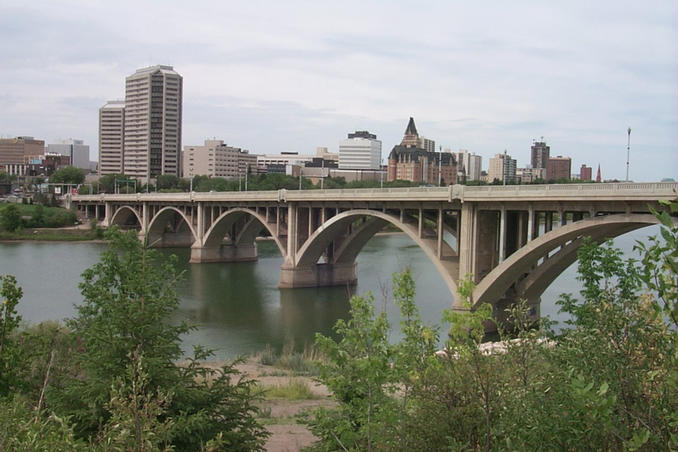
(237, 307)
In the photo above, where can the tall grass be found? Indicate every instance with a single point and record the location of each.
(294, 389)
(301, 363)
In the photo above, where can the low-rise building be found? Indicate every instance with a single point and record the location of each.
(18, 150)
(217, 159)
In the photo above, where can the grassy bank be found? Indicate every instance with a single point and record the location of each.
(51, 234)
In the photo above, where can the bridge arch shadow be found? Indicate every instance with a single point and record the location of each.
(242, 226)
(531, 269)
(341, 238)
(126, 217)
(170, 227)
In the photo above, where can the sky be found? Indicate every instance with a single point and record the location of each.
(272, 76)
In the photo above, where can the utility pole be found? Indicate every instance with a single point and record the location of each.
(628, 151)
(440, 166)
(322, 173)
(247, 169)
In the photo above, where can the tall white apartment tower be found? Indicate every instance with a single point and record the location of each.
(361, 150)
(152, 141)
(111, 137)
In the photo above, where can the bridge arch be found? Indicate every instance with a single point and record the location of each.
(157, 224)
(570, 238)
(224, 223)
(123, 214)
(311, 251)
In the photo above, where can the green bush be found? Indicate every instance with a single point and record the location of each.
(129, 300)
(606, 381)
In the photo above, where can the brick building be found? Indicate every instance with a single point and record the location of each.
(410, 161)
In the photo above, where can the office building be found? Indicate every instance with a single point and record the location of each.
(539, 154)
(77, 150)
(152, 132)
(502, 168)
(558, 168)
(361, 150)
(469, 165)
(216, 159)
(111, 137)
(17, 151)
(585, 173)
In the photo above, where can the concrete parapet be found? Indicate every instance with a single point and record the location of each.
(318, 275)
(224, 253)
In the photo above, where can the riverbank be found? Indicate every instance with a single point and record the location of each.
(53, 235)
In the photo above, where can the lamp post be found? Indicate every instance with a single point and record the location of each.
(440, 166)
(628, 151)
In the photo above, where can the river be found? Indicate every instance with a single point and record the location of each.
(237, 307)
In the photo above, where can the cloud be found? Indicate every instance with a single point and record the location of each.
(294, 75)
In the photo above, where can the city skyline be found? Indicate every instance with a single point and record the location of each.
(293, 77)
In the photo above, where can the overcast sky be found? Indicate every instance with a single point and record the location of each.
(273, 76)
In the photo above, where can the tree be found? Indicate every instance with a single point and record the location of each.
(68, 175)
(10, 360)
(10, 218)
(356, 371)
(129, 299)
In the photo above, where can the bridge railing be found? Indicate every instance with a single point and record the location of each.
(665, 190)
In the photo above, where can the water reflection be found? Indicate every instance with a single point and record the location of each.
(238, 308)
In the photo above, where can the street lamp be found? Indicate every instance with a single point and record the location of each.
(628, 151)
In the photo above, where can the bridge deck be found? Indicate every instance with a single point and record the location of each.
(497, 193)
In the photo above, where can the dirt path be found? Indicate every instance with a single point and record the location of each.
(279, 416)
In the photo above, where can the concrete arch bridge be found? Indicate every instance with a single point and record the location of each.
(512, 240)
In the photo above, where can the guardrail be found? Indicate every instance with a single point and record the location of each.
(658, 190)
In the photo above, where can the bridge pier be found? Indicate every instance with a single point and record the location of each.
(499, 238)
(224, 253)
(317, 275)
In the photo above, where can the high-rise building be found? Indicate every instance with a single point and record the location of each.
(112, 137)
(540, 154)
(558, 168)
(216, 159)
(585, 173)
(152, 141)
(361, 150)
(475, 167)
(502, 168)
(470, 165)
(77, 150)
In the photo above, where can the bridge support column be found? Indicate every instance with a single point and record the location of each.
(502, 234)
(224, 253)
(108, 214)
(318, 275)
